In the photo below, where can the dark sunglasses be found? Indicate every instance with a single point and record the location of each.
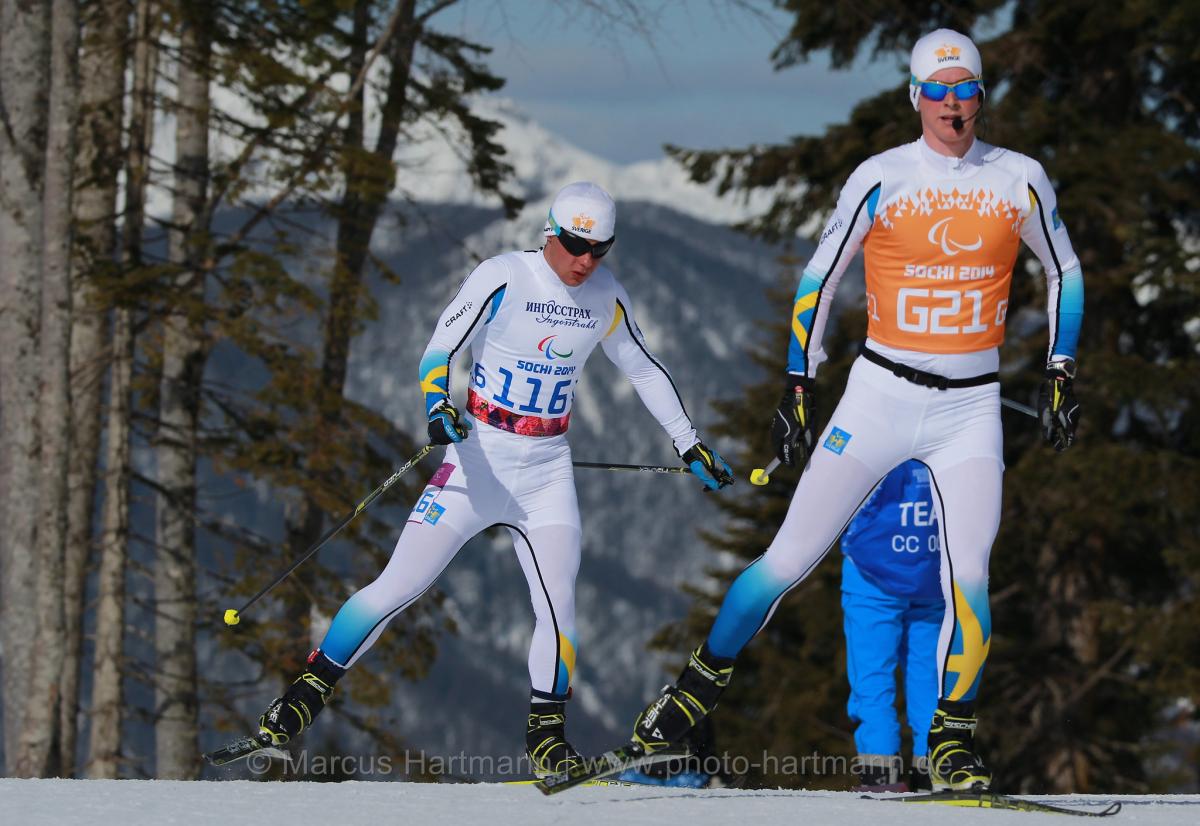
(963, 89)
(577, 245)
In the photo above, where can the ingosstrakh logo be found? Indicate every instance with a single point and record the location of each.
(553, 314)
(939, 235)
(546, 348)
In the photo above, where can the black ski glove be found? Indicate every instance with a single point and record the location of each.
(707, 464)
(444, 424)
(792, 429)
(1057, 409)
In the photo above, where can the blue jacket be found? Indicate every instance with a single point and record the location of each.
(893, 539)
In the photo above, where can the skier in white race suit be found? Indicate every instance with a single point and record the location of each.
(529, 321)
(940, 221)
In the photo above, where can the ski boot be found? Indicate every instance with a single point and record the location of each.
(545, 739)
(290, 714)
(879, 773)
(953, 763)
(684, 704)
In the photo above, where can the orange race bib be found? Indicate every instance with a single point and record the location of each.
(938, 269)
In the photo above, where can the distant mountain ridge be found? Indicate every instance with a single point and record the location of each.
(430, 172)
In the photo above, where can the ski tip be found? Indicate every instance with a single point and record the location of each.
(993, 800)
(214, 758)
(260, 743)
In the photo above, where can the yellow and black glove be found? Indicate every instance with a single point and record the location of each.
(708, 465)
(793, 433)
(445, 426)
(1058, 411)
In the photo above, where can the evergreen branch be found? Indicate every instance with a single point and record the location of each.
(315, 156)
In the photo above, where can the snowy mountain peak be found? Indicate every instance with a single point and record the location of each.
(430, 171)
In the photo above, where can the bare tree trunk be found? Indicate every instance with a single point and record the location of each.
(39, 734)
(184, 351)
(104, 747)
(103, 57)
(368, 184)
(104, 752)
(24, 33)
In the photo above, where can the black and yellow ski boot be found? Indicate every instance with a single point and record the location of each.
(953, 763)
(684, 704)
(545, 739)
(290, 714)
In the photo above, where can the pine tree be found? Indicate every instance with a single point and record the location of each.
(39, 735)
(103, 59)
(116, 296)
(24, 45)
(184, 351)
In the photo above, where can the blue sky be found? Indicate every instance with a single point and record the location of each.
(702, 78)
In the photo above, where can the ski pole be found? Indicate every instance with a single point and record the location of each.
(234, 615)
(643, 468)
(761, 476)
(1017, 406)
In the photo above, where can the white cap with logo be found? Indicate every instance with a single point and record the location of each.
(583, 209)
(942, 49)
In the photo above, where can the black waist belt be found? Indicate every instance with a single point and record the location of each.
(921, 377)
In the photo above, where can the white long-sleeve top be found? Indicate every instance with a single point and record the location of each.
(529, 335)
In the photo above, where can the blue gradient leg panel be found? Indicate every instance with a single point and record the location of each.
(748, 605)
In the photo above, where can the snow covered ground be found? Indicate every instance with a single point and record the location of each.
(233, 803)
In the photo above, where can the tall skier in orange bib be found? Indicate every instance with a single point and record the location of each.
(940, 221)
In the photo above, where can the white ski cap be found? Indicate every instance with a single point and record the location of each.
(942, 49)
(584, 209)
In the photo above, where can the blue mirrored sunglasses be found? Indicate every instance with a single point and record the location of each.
(963, 89)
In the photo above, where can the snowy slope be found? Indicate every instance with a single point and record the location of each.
(161, 802)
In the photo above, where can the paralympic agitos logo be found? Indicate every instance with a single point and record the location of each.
(546, 348)
(939, 235)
